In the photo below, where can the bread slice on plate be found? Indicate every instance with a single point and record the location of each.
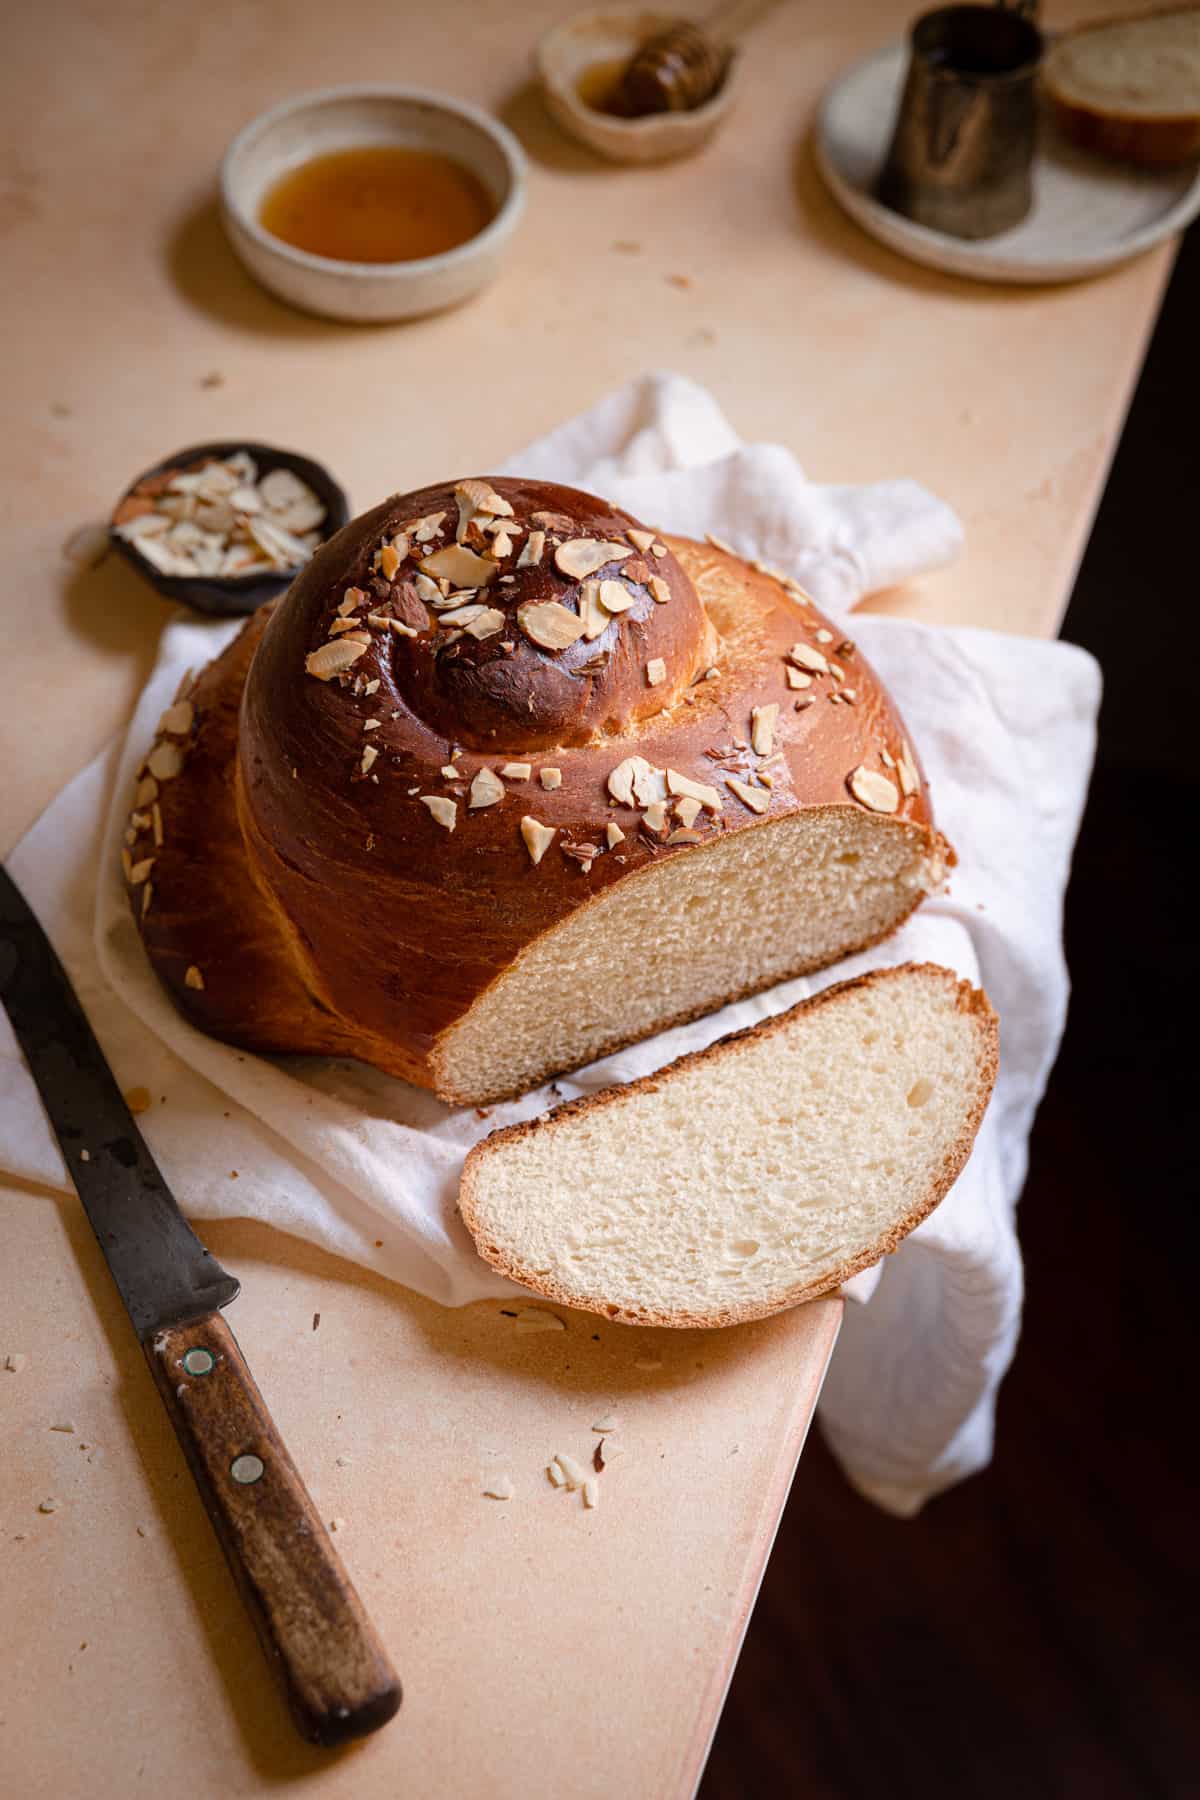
(753, 1175)
(1130, 87)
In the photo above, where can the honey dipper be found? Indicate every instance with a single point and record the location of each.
(682, 66)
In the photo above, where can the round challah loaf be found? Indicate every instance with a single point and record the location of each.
(507, 781)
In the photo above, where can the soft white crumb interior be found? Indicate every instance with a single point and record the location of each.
(738, 916)
(743, 1178)
(1149, 66)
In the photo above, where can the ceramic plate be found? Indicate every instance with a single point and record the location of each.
(1087, 214)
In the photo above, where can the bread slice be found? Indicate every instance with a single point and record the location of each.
(753, 1175)
(1130, 87)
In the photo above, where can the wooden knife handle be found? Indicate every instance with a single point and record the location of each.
(336, 1673)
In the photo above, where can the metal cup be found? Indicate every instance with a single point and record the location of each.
(961, 156)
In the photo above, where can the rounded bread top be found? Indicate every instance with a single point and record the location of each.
(504, 615)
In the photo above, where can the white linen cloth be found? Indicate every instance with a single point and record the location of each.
(334, 1152)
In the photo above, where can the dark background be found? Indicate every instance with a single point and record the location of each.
(1033, 1633)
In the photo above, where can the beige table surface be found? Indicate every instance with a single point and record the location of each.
(544, 1649)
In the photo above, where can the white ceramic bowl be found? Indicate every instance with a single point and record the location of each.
(567, 51)
(349, 118)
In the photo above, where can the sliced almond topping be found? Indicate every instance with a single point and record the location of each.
(615, 597)
(685, 835)
(762, 728)
(823, 636)
(532, 550)
(193, 978)
(423, 531)
(339, 625)
(874, 790)
(450, 772)
(146, 791)
(127, 863)
(389, 561)
(178, 718)
(642, 540)
(687, 810)
(459, 565)
(156, 822)
(380, 621)
(147, 893)
(655, 815)
(797, 678)
(660, 589)
(333, 659)
(757, 799)
(694, 790)
(808, 658)
(580, 557)
(517, 771)
(165, 761)
(369, 757)
(483, 498)
(464, 615)
(349, 601)
(428, 589)
(720, 544)
(837, 671)
(141, 870)
(906, 769)
(595, 618)
(401, 629)
(886, 758)
(550, 778)
(538, 838)
(443, 810)
(636, 782)
(486, 623)
(372, 724)
(614, 834)
(656, 671)
(401, 545)
(550, 624)
(501, 545)
(658, 549)
(486, 789)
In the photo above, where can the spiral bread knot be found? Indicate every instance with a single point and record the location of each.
(511, 615)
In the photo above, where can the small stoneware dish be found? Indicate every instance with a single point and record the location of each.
(352, 118)
(233, 594)
(608, 39)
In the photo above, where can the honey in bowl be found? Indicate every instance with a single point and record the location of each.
(384, 203)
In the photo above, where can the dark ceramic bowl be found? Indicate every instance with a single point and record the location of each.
(234, 594)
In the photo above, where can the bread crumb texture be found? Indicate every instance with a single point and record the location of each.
(752, 1175)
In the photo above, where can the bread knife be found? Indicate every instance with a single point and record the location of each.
(338, 1679)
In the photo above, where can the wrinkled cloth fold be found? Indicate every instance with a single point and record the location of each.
(334, 1152)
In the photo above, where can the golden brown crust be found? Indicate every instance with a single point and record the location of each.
(327, 909)
(968, 999)
(1125, 134)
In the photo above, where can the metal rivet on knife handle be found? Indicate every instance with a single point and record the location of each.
(247, 1469)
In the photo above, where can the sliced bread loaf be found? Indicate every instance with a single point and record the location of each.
(753, 1175)
(1130, 87)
